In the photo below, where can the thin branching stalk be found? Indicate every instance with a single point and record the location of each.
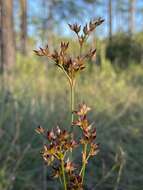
(72, 91)
(63, 173)
(84, 161)
(68, 77)
(60, 179)
(80, 49)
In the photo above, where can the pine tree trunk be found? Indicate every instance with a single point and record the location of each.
(132, 10)
(110, 18)
(1, 65)
(7, 35)
(23, 34)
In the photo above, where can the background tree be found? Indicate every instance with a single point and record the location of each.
(23, 26)
(7, 35)
(121, 15)
(1, 65)
(110, 18)
(132, 11)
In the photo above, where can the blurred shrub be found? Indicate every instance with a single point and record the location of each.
(124, 50)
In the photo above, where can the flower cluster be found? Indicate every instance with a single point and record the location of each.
(75, 182)
(68, 64)
(90, 148)
(60, 142)
(63, 60)
(89, 134)
(86, 31)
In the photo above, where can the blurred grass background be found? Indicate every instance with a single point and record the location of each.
(36, 94)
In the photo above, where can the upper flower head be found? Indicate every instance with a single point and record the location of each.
(43, 51)
(75, 27)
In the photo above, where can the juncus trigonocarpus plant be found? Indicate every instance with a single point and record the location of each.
(60, 142)
(70, 65)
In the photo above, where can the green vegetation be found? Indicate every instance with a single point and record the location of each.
(124, 50)
(37, 94)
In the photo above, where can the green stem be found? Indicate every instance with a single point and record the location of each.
(68, 77)
(72, 85)
(80, 50)
(82, 172)
(60, 180)
(63, 172)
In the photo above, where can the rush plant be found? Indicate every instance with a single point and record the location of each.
(61, 142)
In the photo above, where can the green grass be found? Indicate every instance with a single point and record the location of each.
(37, 93)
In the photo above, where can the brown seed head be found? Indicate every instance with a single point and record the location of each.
(94, 149)
(40, 130)
(90, 54)
(81, 39)
(56, 172)
(69, 166)
(83, 109)
(85, 30)
(64, 46)
(43, 51)
(75, 27)
(93, 24)
(50, 135)
(75, 182)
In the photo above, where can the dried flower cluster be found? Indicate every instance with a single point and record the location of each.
(63, 60)
(60, 142)
(88, 133)
(86, 31)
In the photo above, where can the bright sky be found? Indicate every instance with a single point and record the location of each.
(35, 11)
